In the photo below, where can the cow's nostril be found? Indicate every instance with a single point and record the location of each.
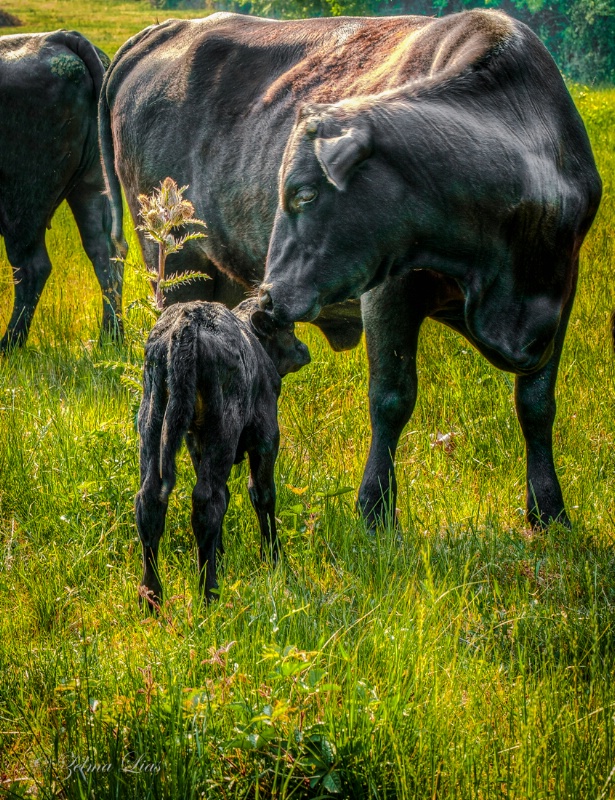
(265, 301)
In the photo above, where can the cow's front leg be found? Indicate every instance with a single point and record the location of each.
(392, 324)
(535, 403)
(261, 489)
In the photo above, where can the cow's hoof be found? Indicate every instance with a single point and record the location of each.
(211, 595)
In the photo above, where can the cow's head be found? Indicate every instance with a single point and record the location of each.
(349, 215)
(336, 219)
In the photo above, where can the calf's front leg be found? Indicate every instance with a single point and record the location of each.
(261, 489)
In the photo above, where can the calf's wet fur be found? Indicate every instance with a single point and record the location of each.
(212, 377)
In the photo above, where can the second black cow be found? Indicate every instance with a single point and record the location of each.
(213, 377)
(49, 87)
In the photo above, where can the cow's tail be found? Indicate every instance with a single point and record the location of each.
(107, 154)
(181, 384)
(107, 147)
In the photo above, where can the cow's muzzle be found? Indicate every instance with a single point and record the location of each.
(264, 300)
(287, 307)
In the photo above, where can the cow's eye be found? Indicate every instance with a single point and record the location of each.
(302, 197)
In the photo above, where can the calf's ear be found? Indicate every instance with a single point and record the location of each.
(339, 156)
(263, 324)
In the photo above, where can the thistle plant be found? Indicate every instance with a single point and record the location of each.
(162, 212)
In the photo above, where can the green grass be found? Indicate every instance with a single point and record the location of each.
(108, 23)
(464, 657)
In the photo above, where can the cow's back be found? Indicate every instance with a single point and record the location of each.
(212, 103)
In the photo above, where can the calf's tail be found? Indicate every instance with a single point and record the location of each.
(181, 384)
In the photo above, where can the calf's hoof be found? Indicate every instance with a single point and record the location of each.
(540, 521)
(150, 599)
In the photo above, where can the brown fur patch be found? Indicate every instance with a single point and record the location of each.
(377, 55)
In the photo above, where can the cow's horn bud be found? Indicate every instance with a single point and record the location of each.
(311, 128)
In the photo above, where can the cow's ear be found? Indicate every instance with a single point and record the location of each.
(339, 156)
(263, 324)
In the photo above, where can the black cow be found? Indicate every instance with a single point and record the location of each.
(49, 88)
(213, 377)
(439, 163)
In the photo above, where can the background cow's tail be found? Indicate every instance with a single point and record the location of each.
(85, 50)
(181, 383)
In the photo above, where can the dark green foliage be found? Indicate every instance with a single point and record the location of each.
(9, 20)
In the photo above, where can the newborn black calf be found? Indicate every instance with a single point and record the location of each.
(211, 376)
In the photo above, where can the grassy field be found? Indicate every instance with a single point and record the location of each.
(463, 657)
(108, 23)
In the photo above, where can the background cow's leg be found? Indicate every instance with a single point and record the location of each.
(209, 503)
(31, 268)
(261, 489)
(535, 403)
(391, 351)
(93, 217)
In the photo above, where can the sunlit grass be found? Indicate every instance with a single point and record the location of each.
(108, 23)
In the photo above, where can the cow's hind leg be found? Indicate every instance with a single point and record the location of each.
(31, 268)
(392, 320)
(209, 504)
(261, 489)
(535, 403)
(93, 217)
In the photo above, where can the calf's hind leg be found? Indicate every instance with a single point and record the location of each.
(150, 504)
(209, 504)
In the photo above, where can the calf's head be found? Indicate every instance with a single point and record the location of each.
(287, 352)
